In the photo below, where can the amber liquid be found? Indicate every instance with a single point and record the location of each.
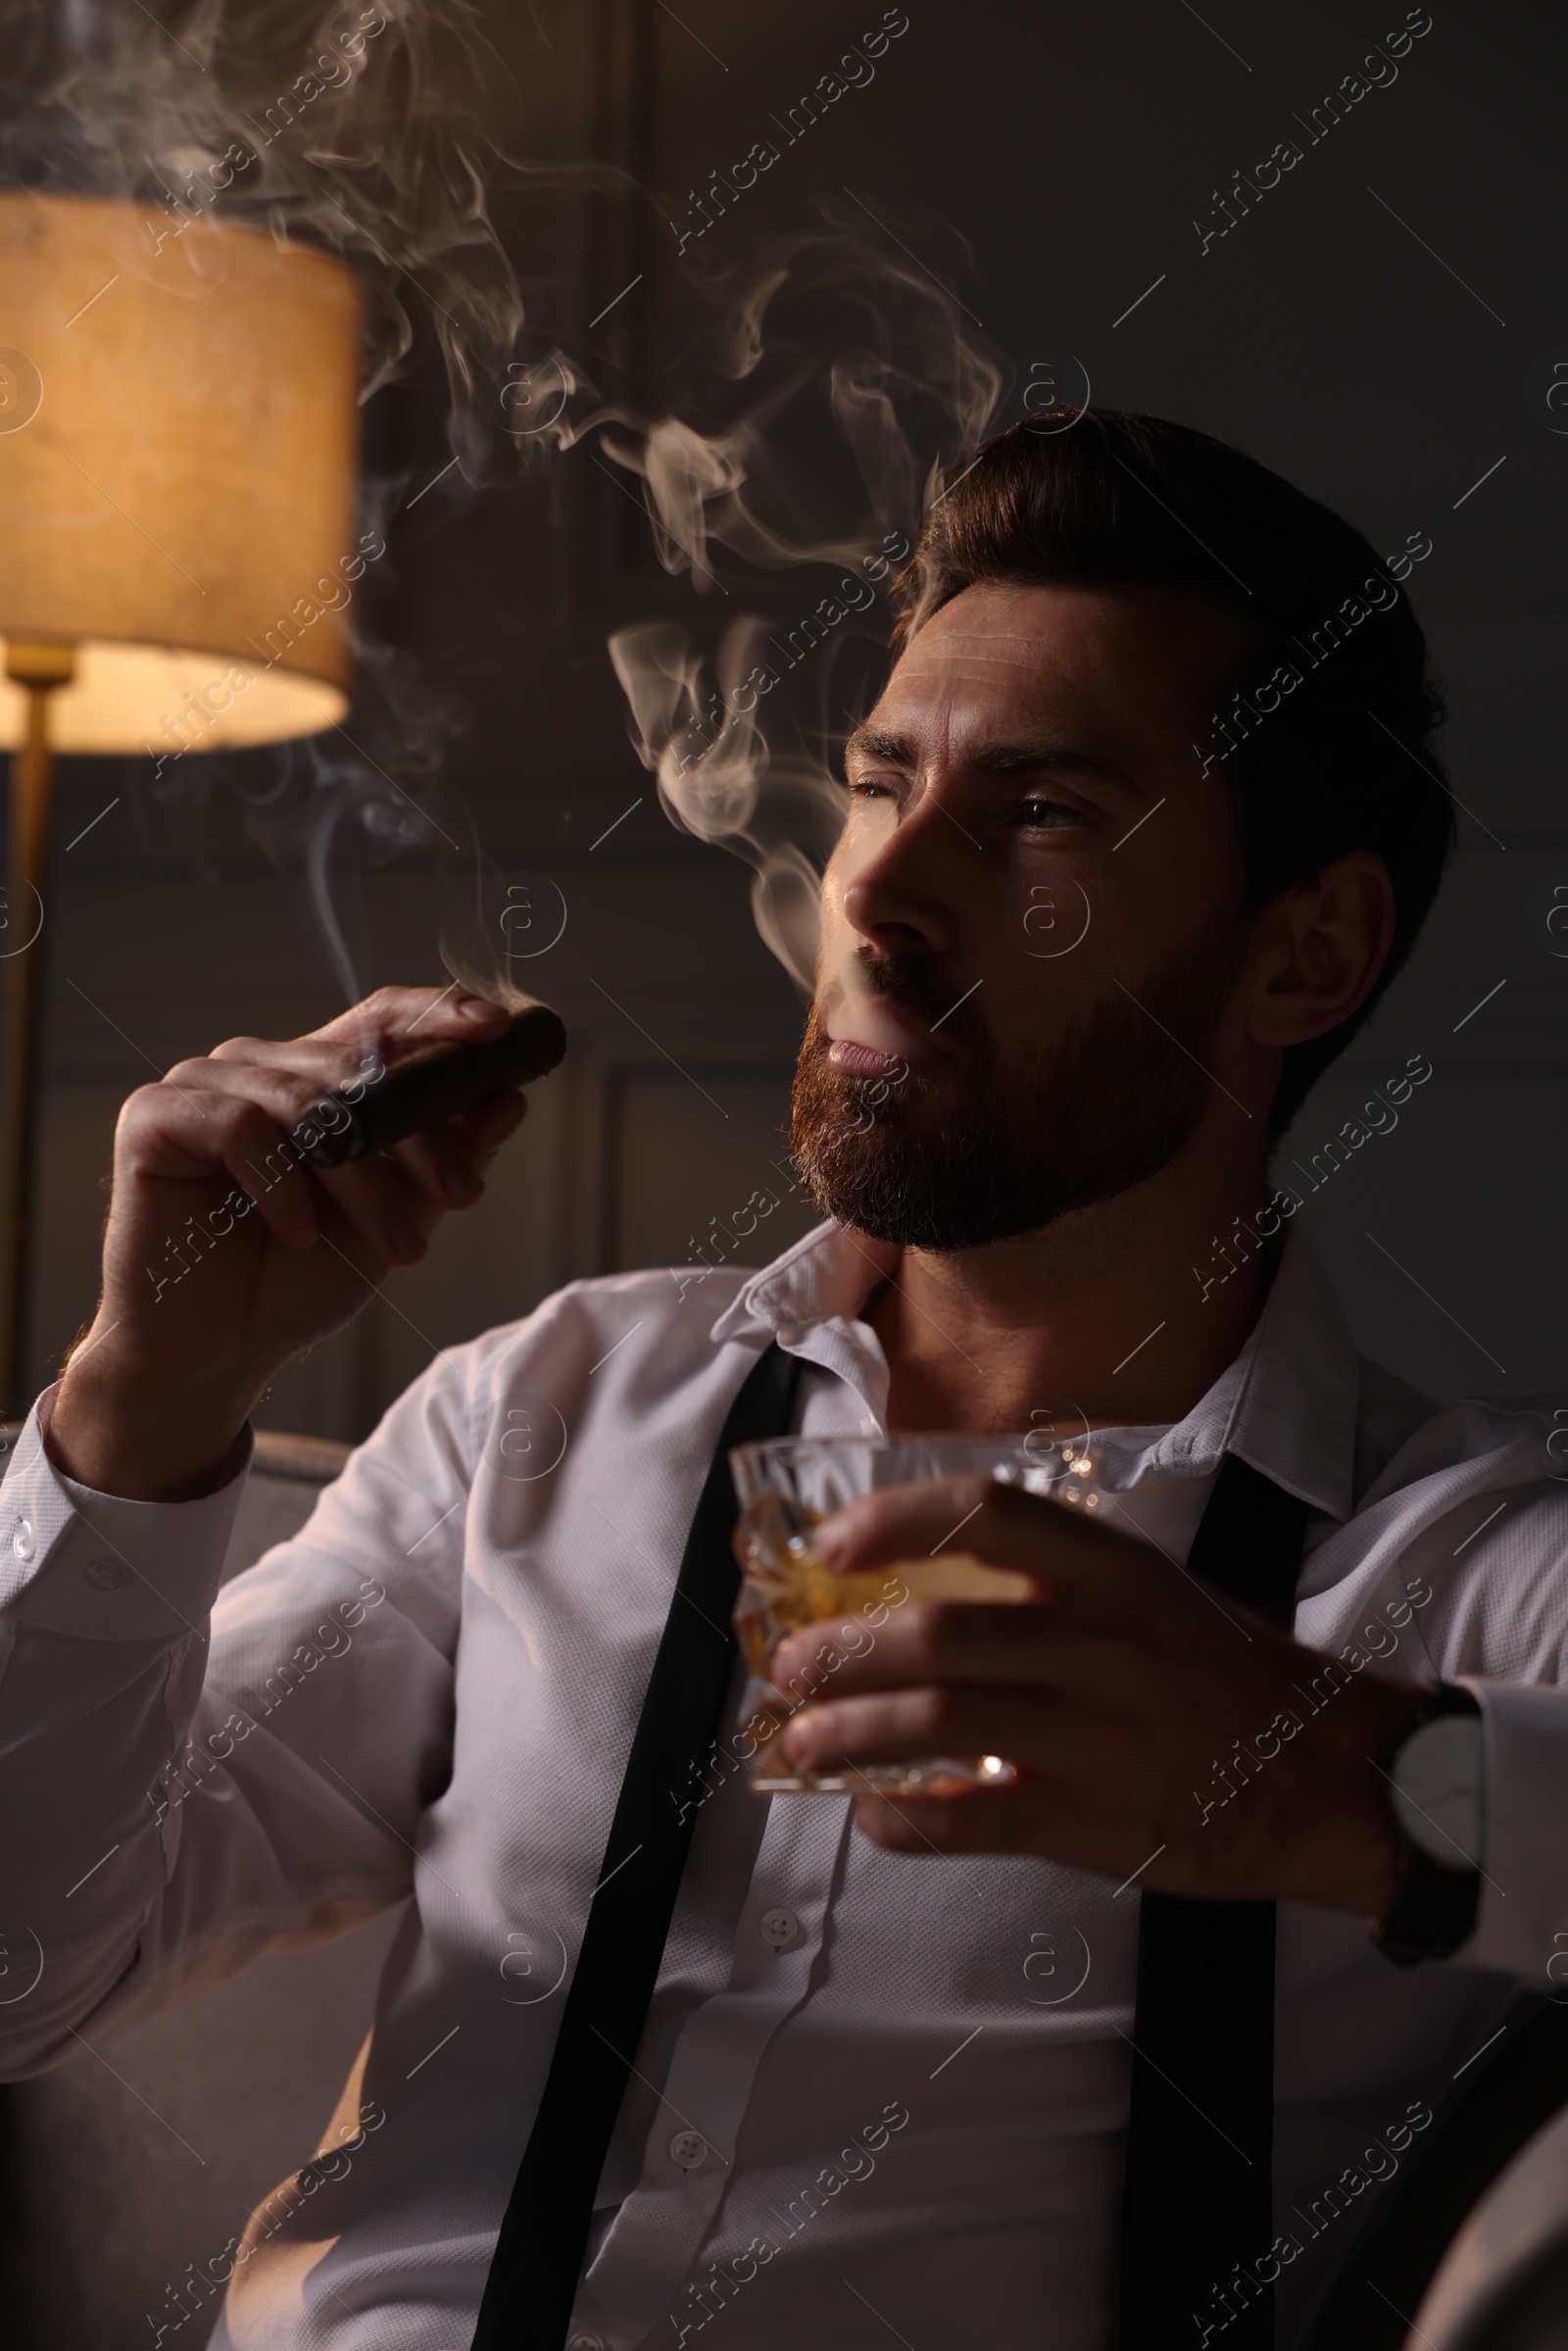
(784, 1585)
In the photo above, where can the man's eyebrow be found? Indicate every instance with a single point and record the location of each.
(872, 743)
(1030, 759)
(996, 759)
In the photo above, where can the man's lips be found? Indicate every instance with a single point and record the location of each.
(879, 1039)
(867, 1060)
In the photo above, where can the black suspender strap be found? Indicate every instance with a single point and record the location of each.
(539, 2254)
(1196, 2208)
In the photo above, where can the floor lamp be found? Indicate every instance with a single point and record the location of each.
(179, 464)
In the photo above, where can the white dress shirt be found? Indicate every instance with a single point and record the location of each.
(875, 2092)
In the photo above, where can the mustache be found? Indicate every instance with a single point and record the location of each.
(910, 980)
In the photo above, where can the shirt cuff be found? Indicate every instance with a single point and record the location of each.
(101, 1567)
(1522, 1925)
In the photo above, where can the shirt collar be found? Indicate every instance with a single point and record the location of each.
(826, 1277)
(1287, 1402)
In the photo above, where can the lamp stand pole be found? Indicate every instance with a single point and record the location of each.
(39, 665)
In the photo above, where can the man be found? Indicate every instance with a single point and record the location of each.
(1140, 829)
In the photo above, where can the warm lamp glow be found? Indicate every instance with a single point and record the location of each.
(178, 459)
(178, 453)
(122, 696)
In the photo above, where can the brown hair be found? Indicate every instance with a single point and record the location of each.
(1341, 758)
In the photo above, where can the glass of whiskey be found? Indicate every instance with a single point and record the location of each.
(786, 1488)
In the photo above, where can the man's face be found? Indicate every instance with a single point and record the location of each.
(1030, 924)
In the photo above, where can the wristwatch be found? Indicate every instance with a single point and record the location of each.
(1437, 1794)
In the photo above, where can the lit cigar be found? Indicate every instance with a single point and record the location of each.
(437, 1082)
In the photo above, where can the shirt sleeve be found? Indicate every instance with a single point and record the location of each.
(190, 1777)
(1522, 1925)
(1487, 1575)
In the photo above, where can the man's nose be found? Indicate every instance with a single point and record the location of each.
(908, 894)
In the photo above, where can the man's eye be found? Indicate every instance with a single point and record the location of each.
(869, 787)
(1050, 815)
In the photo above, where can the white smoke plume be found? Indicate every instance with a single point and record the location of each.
(358, 128)
(892, 384)
(838, 385)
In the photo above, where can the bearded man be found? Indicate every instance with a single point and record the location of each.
(1141, 828)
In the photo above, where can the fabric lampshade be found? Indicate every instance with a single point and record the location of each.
(178, 460)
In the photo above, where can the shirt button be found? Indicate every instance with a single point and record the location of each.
(689, 2149)
(24, 1542)
(586, 2342)
(106, 1574)
(780, 1927)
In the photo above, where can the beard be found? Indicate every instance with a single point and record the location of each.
(1073, 1119)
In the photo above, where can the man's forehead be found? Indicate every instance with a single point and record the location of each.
(1002, 647)
(1129, 659)
(972, 675)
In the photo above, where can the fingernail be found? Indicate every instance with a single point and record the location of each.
(831, 1542)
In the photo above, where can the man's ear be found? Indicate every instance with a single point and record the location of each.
(1322, 945)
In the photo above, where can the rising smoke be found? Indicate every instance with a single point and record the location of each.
(359, 130)
(868, 386)
(833, 386)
